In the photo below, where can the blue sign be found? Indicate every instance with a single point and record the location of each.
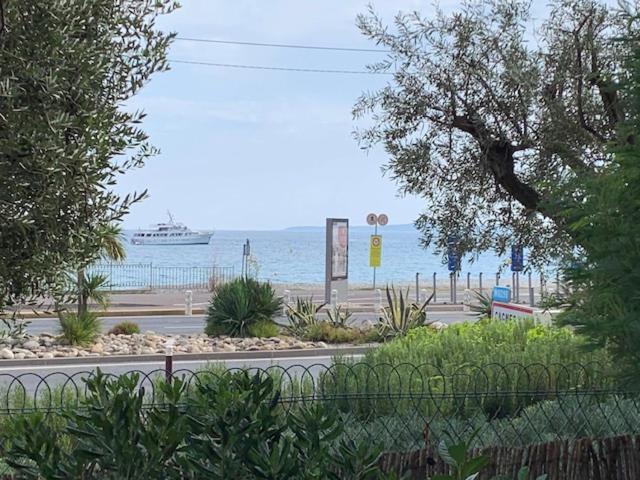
(517, 258)
(452, 254)
(501, 294)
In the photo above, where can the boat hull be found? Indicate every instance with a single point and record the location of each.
(195, 239)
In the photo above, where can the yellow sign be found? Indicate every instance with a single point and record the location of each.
(375, 251)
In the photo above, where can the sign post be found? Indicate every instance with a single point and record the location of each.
(453, 261)
(337, 260)
(517, 265)
(375, 243)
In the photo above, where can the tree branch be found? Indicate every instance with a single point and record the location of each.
(2, 17)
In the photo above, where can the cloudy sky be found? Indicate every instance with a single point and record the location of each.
(251, 149)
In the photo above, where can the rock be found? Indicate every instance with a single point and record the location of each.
(19, 356)
(148, 351)
(97, 348)
(438, 325)
(6, 354)
(46, 355)
(58, 354)
(321, 345)
(225, 347)
(48, 341)
(31, 345)
(253, 348)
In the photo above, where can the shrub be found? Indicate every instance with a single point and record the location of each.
(79, 329)
(238, 304)
(482, 307)
(125, 328)
(230, 426)
(399, 316)
(326, 332)
(263, 329)
(339, 317)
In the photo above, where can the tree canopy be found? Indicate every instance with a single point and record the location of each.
(66, 70)
(487, 117)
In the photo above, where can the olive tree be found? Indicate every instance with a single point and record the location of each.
(67, 69)
(486, 117)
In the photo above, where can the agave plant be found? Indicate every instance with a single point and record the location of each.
(400, 316)
(482, 307)
(302, 315)
(338, 317)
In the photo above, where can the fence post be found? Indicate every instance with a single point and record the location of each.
(417, 287)
(497, 279)
(188, 303)
(287, 301)
(168, 361)
(150, 275)
(379, 300)
(480, 280)
(530, 289)
(468, 280)
(334, 298)
(558, 283)
(434, 287)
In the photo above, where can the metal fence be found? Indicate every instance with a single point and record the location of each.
(400, 406)
(150, 276)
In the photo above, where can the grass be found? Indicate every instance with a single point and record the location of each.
(263, 329)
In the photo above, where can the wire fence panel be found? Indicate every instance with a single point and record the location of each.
(150, 276)
(400, 406)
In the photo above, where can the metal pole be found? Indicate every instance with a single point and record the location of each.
(417, 287)
(558, 282)
(455, 288)
(375, 232)
(541, 284)
(334, 298)
(434, 287)
(379, 300)
(497, 279)
(531, 297)
(468, 280)
(480, 280)
(530, 289)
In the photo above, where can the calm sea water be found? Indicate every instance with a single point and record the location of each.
(297, 256)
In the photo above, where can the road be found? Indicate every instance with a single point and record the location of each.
(180, 324)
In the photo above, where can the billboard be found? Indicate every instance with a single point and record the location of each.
(339, 248)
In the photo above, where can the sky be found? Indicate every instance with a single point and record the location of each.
(249, 149)
(259, 150)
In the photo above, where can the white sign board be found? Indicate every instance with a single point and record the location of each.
(510, 311)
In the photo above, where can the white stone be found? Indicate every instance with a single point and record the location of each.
(47, 355)
(31, 345)
(6, 354)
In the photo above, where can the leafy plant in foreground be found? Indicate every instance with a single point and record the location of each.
(482, 305)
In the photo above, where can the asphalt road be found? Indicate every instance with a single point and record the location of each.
(181, 324)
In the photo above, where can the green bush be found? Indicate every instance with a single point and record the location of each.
(263, 329)
(79, 330)
(326, 332)
(229, 426)
(238, 304)
(125, 328)
(400, 316)
(449, 369)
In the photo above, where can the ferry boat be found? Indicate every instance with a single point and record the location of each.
(170, 233)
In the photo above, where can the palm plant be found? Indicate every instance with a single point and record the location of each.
(338, 317)
(400, 316)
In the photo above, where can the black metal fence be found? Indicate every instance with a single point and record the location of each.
(507, 405)
(150, 276)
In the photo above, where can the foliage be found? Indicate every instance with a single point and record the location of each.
(604, 273)
(485, 121)
(14, 326)
(482, 307)
(487, 342)
(263, 329)
(302, 316)
(231, 426)
(338, 317)
(399, 316)
(125, 328)
(327, 332)
(66, 135)
(79, 329)
(236, 305)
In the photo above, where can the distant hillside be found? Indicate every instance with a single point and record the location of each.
(407, 227)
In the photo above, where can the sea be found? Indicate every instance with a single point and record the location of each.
(297, 255)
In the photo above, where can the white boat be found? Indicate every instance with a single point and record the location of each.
(170, 233)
